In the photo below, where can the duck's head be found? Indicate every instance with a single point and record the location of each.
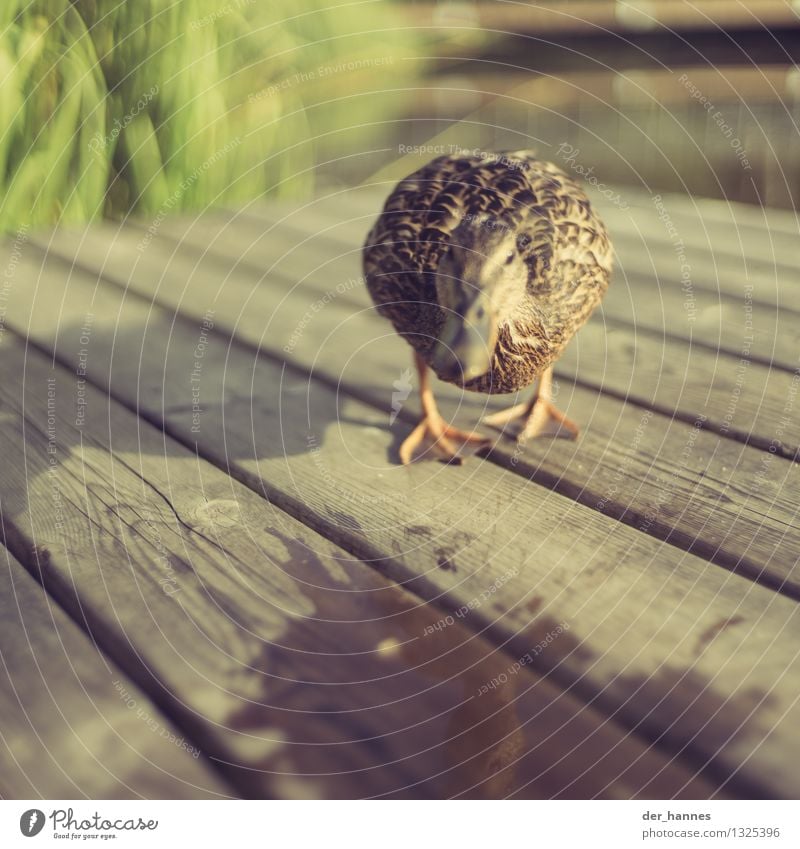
(481, 278)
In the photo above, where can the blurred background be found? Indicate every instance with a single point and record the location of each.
(697, 97)
(156, 106)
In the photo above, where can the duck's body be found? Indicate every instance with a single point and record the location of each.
(505, 234)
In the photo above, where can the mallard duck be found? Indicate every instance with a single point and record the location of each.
(487, 265)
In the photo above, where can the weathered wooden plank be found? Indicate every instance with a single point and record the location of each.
(682, 266)
(732, 504)
(682, 252)
(738, 397)
(74, 726)
(301, 670)
(685, 251)
(692, 249)
(760, 249)
(762, 238)
(741, 229)
(731, 218)
(646, 297)
(208, 631)
(702, 660)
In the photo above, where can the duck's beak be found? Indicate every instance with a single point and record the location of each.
(466, 343)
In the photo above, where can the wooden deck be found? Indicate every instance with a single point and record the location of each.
(245, 595)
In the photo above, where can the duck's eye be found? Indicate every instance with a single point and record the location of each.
(510, 257)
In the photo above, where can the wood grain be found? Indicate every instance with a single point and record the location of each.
(750, 234)
(736, 393)
(74, 725)
(737, 397)
(648, 291)
(683, 252)
(659, 473)
(298, 669)
(724, 253)
(699, 659)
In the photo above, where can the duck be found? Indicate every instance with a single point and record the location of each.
(487, 264)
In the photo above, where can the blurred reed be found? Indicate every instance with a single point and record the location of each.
(110, 107)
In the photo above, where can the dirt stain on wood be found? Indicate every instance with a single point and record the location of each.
(445, 560)
(712, 632)
(534, 604)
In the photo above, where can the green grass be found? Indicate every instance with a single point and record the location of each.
(110, 107)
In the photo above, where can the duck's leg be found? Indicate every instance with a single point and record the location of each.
(535, 414)
(433, 425)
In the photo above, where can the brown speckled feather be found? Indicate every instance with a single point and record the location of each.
(564, 244)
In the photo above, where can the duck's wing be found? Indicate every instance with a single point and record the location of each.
(422, 210)
(554, 210)
(403, 248)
